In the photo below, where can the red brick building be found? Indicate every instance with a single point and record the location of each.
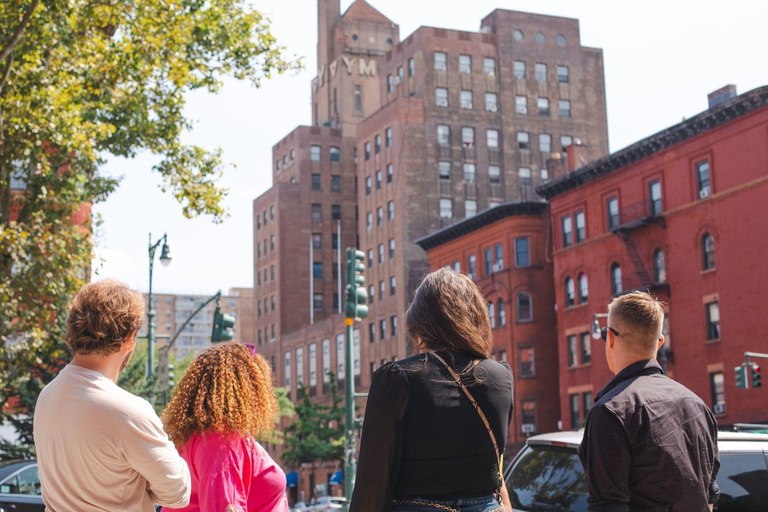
(505, 250)
(681, 213)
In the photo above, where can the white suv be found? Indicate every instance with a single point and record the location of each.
(547, 474)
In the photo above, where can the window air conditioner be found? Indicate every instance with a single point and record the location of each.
(719, 409)
(442, 103)
(491, 108)
(498, 266)
(704, 193)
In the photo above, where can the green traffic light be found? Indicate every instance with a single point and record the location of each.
(741, 376)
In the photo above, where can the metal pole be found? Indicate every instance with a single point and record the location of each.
(350, 462)
(151, 316)
(338, 258)
(311, 281)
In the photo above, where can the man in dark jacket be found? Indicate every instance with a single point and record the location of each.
(650, 444)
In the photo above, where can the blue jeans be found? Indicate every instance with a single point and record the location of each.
(485, 504)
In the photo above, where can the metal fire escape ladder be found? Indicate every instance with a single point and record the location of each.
(634, 257)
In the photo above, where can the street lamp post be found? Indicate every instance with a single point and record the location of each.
(165, 259)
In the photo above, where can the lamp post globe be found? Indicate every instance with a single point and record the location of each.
(595, 329)
(165, 255)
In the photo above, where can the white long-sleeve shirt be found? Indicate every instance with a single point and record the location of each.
(100, 448)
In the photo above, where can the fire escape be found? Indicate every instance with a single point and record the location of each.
(627, 221)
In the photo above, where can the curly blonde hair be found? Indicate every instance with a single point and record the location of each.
(226, 390)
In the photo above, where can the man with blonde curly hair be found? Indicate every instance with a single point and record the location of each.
(100, 448)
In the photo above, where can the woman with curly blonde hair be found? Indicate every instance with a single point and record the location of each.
(222, 404)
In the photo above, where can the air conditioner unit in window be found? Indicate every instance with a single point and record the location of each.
(466, 105)
(442, 103)
(704, 193)
(719, 409)
(491, 108)
(498, 266)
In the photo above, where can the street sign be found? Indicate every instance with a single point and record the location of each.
(162, 370)
(528, 428)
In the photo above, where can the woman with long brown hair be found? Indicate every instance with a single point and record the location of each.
(222, 404)
(436, 423)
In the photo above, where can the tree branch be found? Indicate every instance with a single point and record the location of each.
(19, 30)
(6, 73)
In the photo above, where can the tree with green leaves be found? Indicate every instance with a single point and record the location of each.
(81, 80)
(317, 433)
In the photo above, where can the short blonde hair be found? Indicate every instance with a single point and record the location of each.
(641, 315)
(102, 316)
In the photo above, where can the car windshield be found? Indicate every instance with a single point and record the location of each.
(548, 478)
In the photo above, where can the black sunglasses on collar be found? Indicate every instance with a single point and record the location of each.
(604, 333)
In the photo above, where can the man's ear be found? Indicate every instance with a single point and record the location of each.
(130, 340)
(661, 342)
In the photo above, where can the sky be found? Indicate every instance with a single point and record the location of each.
(661, 60)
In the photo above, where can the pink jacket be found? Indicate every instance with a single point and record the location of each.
(232, 474)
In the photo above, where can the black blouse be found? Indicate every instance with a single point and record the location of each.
(422, 437)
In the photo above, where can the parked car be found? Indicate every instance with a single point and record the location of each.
(20, 487)
(546, 475)
(328, 503)
(301, 507)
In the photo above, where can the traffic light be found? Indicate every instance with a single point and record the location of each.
(757, 378)
(741, 376)
(222, 326)
(171, 376)
(355, 307)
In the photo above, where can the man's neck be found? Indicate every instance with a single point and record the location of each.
(630, 360)
(99, 364)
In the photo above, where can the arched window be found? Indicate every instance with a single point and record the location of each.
(659, 267)
(524, 309)
(492, 314)
(583, 288)
(616, 288)
(570, 292)
(708, 251)
(502, 312)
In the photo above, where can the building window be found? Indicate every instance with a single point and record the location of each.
(527, 367)
(335, 154)
(713, 321)
(567, 231)
(492, 138)
(659, 267)
(545, 143)
(391, 248)
(525, 176)
(581, 227)
(287, 359)
(616, 287)
(382, 329)
(654, 189)
(411, 67)
(393, 326)
(444, 170)
(586, 348)
(502, 312)
(446, 208)
(470, 208)
(317, 212)
(717, 389)
(334, 241)
(708, 251)
(300, 366)
(492, 314)
(519, 69)
(379, 215)
(293, 156)
(522, 252)
(541, 72)
(316, 182)
(277, 166)
(588, 401)
(390, 172)
(562, 74)
(371, 288)
(521, 105)
(471, 263)
(488, 260)
(570, 292)
(358, 100)
(465, 64)
(523, 140)
(390, 83)
(335, 212)
(466, 100)
(583, 288)
(524, 307)
(377, 144)
(367, 150)
(317, 301)
(543, 104)
(469, 173)
(468, 137)
(702, 179)
(382, 290)
(441, 61)
(371, 332)
(565, 141)
(528, 416)
(392, 285)
(491, 102)
(573, 358)
(368, 186)
(381, 253)
(494, 174)
(489, 66)
(565, 109)
(379, 180)
(317, 270)
(443, 134)
(317, 240)
(335, 183)
(391, 210)
(613, 212)
(314, 153)
(388, 136)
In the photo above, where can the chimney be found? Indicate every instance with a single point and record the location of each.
(328, 13)
(555, 166)
(721, 95)
(576, 156)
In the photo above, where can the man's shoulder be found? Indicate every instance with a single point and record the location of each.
(643, 391)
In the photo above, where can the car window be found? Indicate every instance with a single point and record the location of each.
(10, 486)
(29, 481)
(743, 482)
(548, 478)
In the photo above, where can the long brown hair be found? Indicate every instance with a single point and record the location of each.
(226, 390)
(448, 312)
